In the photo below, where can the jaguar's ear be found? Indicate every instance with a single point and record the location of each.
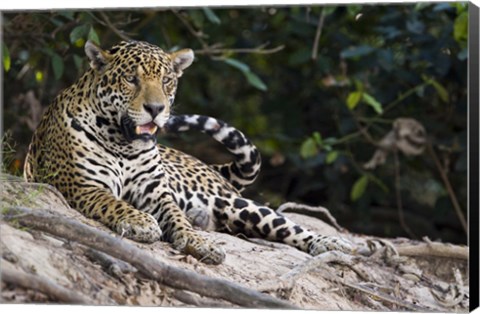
(182, 60)
(98, 57)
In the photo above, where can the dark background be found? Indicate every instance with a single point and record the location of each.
(287, 77)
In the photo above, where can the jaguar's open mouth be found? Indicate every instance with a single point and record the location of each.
(144, 132)
(148, 128)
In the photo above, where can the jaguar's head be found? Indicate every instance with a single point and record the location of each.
(137, 82)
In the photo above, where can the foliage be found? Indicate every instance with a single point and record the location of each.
(254, 68)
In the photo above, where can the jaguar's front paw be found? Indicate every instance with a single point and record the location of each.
(322, 244)
(141, 227)
(202, 249)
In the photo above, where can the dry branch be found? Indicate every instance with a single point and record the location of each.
(448, 186)
(318, 261)
(287, 280)
(44, 285)
(172, 276)
(112, 27)
(318, 33)
(313, 209)
(434, 249)
(211, 50)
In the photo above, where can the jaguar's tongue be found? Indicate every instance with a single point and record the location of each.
(148, 128)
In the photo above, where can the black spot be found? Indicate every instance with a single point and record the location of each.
(239, 203)
(219, 203)
(254, 218)
(282, 233)
(217, 214)
(307, 239)
(100, 121)
(96, 217)
(264, 211)
(266, 229)
(181, 204)
(239, 224)
(298, 229)
(151, 187)
(201, 122)
(278, 221)
(76, 125)
(244, 214)
(104, 210)
(225, 173)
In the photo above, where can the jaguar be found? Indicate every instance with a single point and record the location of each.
(97, 144)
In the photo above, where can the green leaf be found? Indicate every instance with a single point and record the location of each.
(460, 27)
(460, 6)
(358, 51)
(252, 78)
(93, 36)
(329, 9)
(56, 22)
(331, 157)
(378, 182)
(255, 81)
(237, 64)
(373, 103)
(67, 14)
(211, 16)
(317, 137)
(309, 148)
(359, 188)
(79, 32)
(354, 9)
(353, 99)
(7, 62)
(442, 92)
(57, 65)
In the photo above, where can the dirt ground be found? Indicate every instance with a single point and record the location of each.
(381, 275)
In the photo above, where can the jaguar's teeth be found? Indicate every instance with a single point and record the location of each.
(149, 128)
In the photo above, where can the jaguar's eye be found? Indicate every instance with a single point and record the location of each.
(166, 80)
(131, 79)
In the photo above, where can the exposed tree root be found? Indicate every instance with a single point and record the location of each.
(165, 274)
(110, 264)
(44, 285)
(193, 299)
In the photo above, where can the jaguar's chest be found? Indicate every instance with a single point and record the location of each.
(141, 176)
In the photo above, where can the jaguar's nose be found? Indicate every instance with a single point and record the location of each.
(154, 109)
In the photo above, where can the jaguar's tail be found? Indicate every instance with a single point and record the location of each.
(245, 168)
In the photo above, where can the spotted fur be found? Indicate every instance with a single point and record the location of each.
(97, 145)
(241, 172)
